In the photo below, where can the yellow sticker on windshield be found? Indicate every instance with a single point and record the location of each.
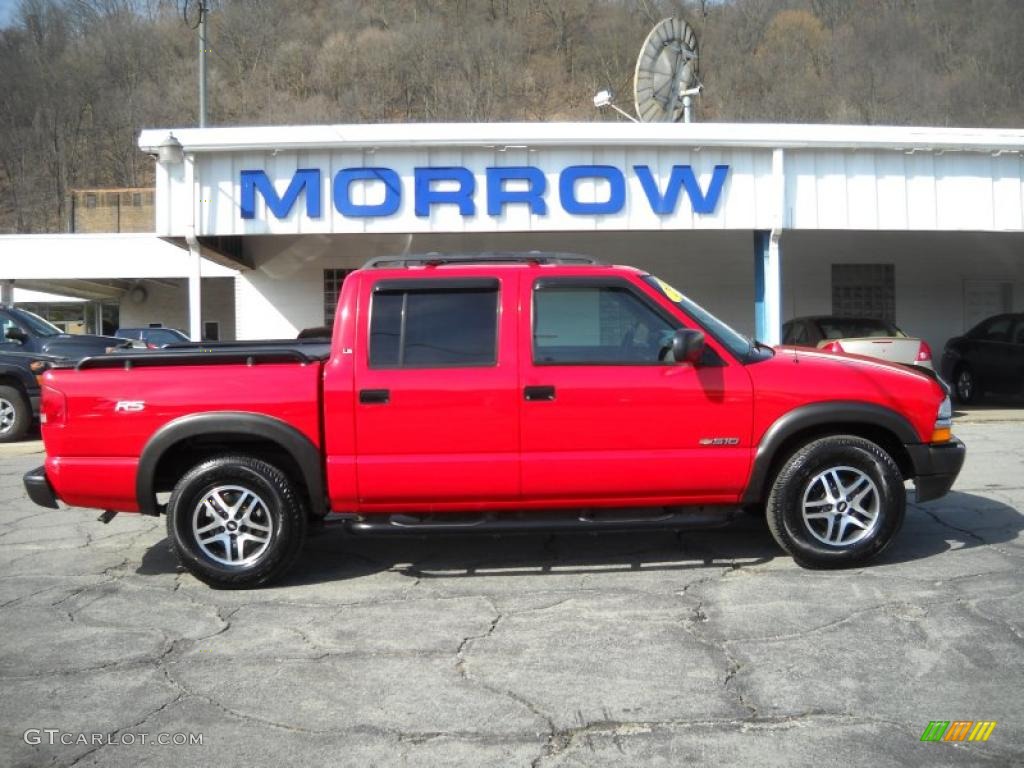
(668, 290)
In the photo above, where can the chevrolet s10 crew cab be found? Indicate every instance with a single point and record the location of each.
(495, 392)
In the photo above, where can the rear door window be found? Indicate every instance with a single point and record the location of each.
(416, 325)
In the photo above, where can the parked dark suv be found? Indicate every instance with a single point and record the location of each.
(988, 358)
(23, 331)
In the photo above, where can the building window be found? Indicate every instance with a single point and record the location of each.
(442, 327)
(90, 200)
(864, 290)
(333, 278)
(211, 330)
(136, 199)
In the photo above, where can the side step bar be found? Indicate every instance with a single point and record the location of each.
(533, 522)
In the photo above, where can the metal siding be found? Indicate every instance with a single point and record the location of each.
(891, 180)
(1008, 191)
(921, 196)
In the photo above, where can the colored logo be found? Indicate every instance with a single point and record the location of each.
(958, 730)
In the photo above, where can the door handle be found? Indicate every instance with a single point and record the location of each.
(539, 393)
(375, 396)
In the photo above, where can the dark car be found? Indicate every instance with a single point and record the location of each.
(24, 331)
(19, 391)
(153, 336)
(868, 336)
(988, 358)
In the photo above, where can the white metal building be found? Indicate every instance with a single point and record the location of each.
(759, 223)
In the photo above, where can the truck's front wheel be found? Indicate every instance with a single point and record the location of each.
(236, 522)
(837, 501)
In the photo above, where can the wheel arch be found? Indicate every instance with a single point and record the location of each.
(9, 378)
(882, 426)
(184, 442)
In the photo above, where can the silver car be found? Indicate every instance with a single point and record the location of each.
(858, 336)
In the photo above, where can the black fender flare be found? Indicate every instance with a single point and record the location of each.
(227, 423)
(823, 414)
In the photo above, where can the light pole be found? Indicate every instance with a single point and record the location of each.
(199, 22)
(203, 13)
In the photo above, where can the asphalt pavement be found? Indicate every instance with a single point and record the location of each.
(703, 648)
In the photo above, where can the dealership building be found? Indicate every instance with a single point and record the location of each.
(256, 228)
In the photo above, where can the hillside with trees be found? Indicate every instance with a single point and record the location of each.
(81, 77)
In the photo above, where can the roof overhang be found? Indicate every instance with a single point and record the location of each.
(527, 135)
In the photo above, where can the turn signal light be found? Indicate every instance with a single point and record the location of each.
(924, 353)
(832, 346)
(942, 435)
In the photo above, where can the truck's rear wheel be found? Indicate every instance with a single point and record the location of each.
(836, 502)
(236, 522)
(15, 414)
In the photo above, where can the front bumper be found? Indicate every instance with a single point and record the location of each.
(39, 489)
(936, 467)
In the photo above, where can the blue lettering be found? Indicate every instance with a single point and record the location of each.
(307, 180)
(498, 197)
(427, 196)
(567, 189)
(343, 198)
(663, 199)
(682, 176)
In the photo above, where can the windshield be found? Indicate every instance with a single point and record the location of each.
(735, 341)
(35, 323)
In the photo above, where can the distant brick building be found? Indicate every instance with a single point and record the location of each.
(111, 210)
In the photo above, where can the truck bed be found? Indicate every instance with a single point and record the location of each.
(212, 353)
(114, 404)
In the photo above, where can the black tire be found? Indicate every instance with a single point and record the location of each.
(15, 414)
(841, 515)
(965, 385)
(262, 542)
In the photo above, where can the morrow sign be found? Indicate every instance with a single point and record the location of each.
(457, 186)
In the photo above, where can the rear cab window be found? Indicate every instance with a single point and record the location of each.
(857, 328)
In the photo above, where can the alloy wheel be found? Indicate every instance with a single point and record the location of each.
(8, 416)
(840, 506)
(232, 525)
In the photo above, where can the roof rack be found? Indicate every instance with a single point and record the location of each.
(439, 259)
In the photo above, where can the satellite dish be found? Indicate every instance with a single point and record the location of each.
(666, 72)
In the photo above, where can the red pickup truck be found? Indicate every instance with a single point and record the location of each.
(495, 393)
